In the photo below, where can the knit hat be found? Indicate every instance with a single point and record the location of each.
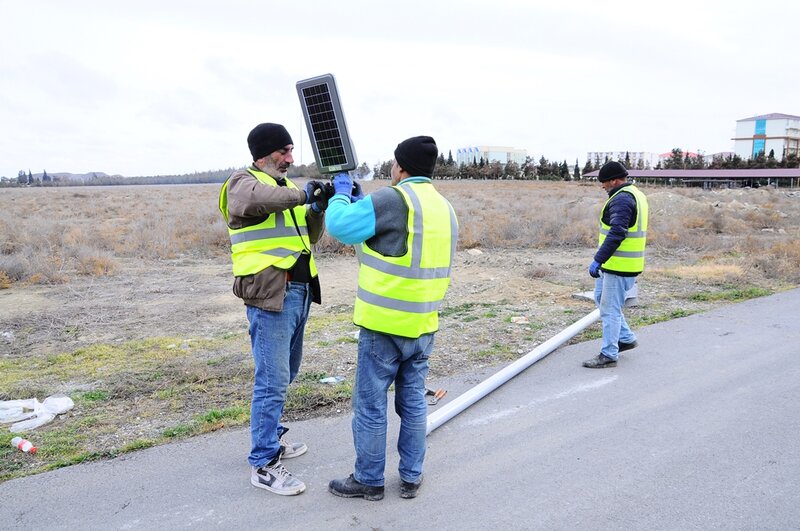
(417, 155)
(612, 170)
(266, 138)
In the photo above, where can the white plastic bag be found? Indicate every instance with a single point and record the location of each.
(29, 414)
(10, 413)
(14, 410)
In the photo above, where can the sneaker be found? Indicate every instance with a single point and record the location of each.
(409, 490)
(627, 346)
(350, 488)
(600, 362)
(275, 478)
(290, 450)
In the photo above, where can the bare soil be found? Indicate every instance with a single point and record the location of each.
(501, 303)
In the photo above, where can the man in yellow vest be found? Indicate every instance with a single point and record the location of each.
(618, 261)
(405, 237)
(272, 225)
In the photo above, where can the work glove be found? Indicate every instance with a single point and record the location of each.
(311, 189)
(343, 184)
(357, 194)
(321, 204)
(594, 269)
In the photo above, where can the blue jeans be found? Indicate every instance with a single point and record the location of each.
(276, 339)
(609, 294)
(383, 360)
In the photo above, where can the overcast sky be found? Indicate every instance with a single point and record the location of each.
(151, 87)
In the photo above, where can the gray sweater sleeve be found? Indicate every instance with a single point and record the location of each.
(391, 222)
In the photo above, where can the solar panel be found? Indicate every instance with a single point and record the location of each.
(327, 129)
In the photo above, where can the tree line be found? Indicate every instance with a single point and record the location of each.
(530, 169)
(446, 168)
(101, 179)
(678, 160)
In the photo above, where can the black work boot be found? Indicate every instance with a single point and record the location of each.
(409, 490)
(350, 488)
(627, 346)
(600, 362)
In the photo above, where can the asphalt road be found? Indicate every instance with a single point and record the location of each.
(696, 429)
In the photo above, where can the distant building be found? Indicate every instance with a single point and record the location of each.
(638, 159)
(664, 157)
(502, 154)
(775, 132)
(722, 155)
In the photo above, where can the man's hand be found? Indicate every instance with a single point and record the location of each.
(343, 184)
(594, 269)
(357, 194)
(321, 204)
(311, 188)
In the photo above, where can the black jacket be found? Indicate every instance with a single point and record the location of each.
(620, 215)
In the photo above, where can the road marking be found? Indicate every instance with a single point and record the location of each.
(581, 388)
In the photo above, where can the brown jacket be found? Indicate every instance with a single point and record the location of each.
(249, 203)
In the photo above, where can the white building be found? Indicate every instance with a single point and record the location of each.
(502, 154)
(775, 132)
(643, 160)
(664, 157)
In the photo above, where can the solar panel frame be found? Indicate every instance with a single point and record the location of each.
(326, 125)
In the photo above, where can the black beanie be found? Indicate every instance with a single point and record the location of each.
(612, 170)
(417, 155)
(266, 138)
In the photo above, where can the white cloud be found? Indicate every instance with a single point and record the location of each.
(147, 87)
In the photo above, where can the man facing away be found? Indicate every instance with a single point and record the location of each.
(618, 260)
(405, 237)
(272, 225)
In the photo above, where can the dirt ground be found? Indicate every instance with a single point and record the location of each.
(500, 304)
(501, 301)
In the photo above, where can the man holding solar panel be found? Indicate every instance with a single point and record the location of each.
(272, 225)
(405, 238)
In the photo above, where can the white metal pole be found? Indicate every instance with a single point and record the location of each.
(451, 409)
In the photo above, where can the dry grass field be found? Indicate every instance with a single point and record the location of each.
(120, 297)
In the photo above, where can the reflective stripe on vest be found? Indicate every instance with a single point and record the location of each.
(629, 257)
(402, 295)
(276, 241)
(280, 230)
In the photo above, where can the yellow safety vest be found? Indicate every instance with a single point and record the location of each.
(629, 257)
(402, 295)
(276, 241)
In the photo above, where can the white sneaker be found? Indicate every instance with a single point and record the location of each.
(275, 478)
(289, 450)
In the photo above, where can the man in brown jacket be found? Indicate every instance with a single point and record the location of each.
(272, 225)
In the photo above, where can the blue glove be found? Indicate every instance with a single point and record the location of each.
(343, 184)
(594, 269)
(357, 194)
(311, 187)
